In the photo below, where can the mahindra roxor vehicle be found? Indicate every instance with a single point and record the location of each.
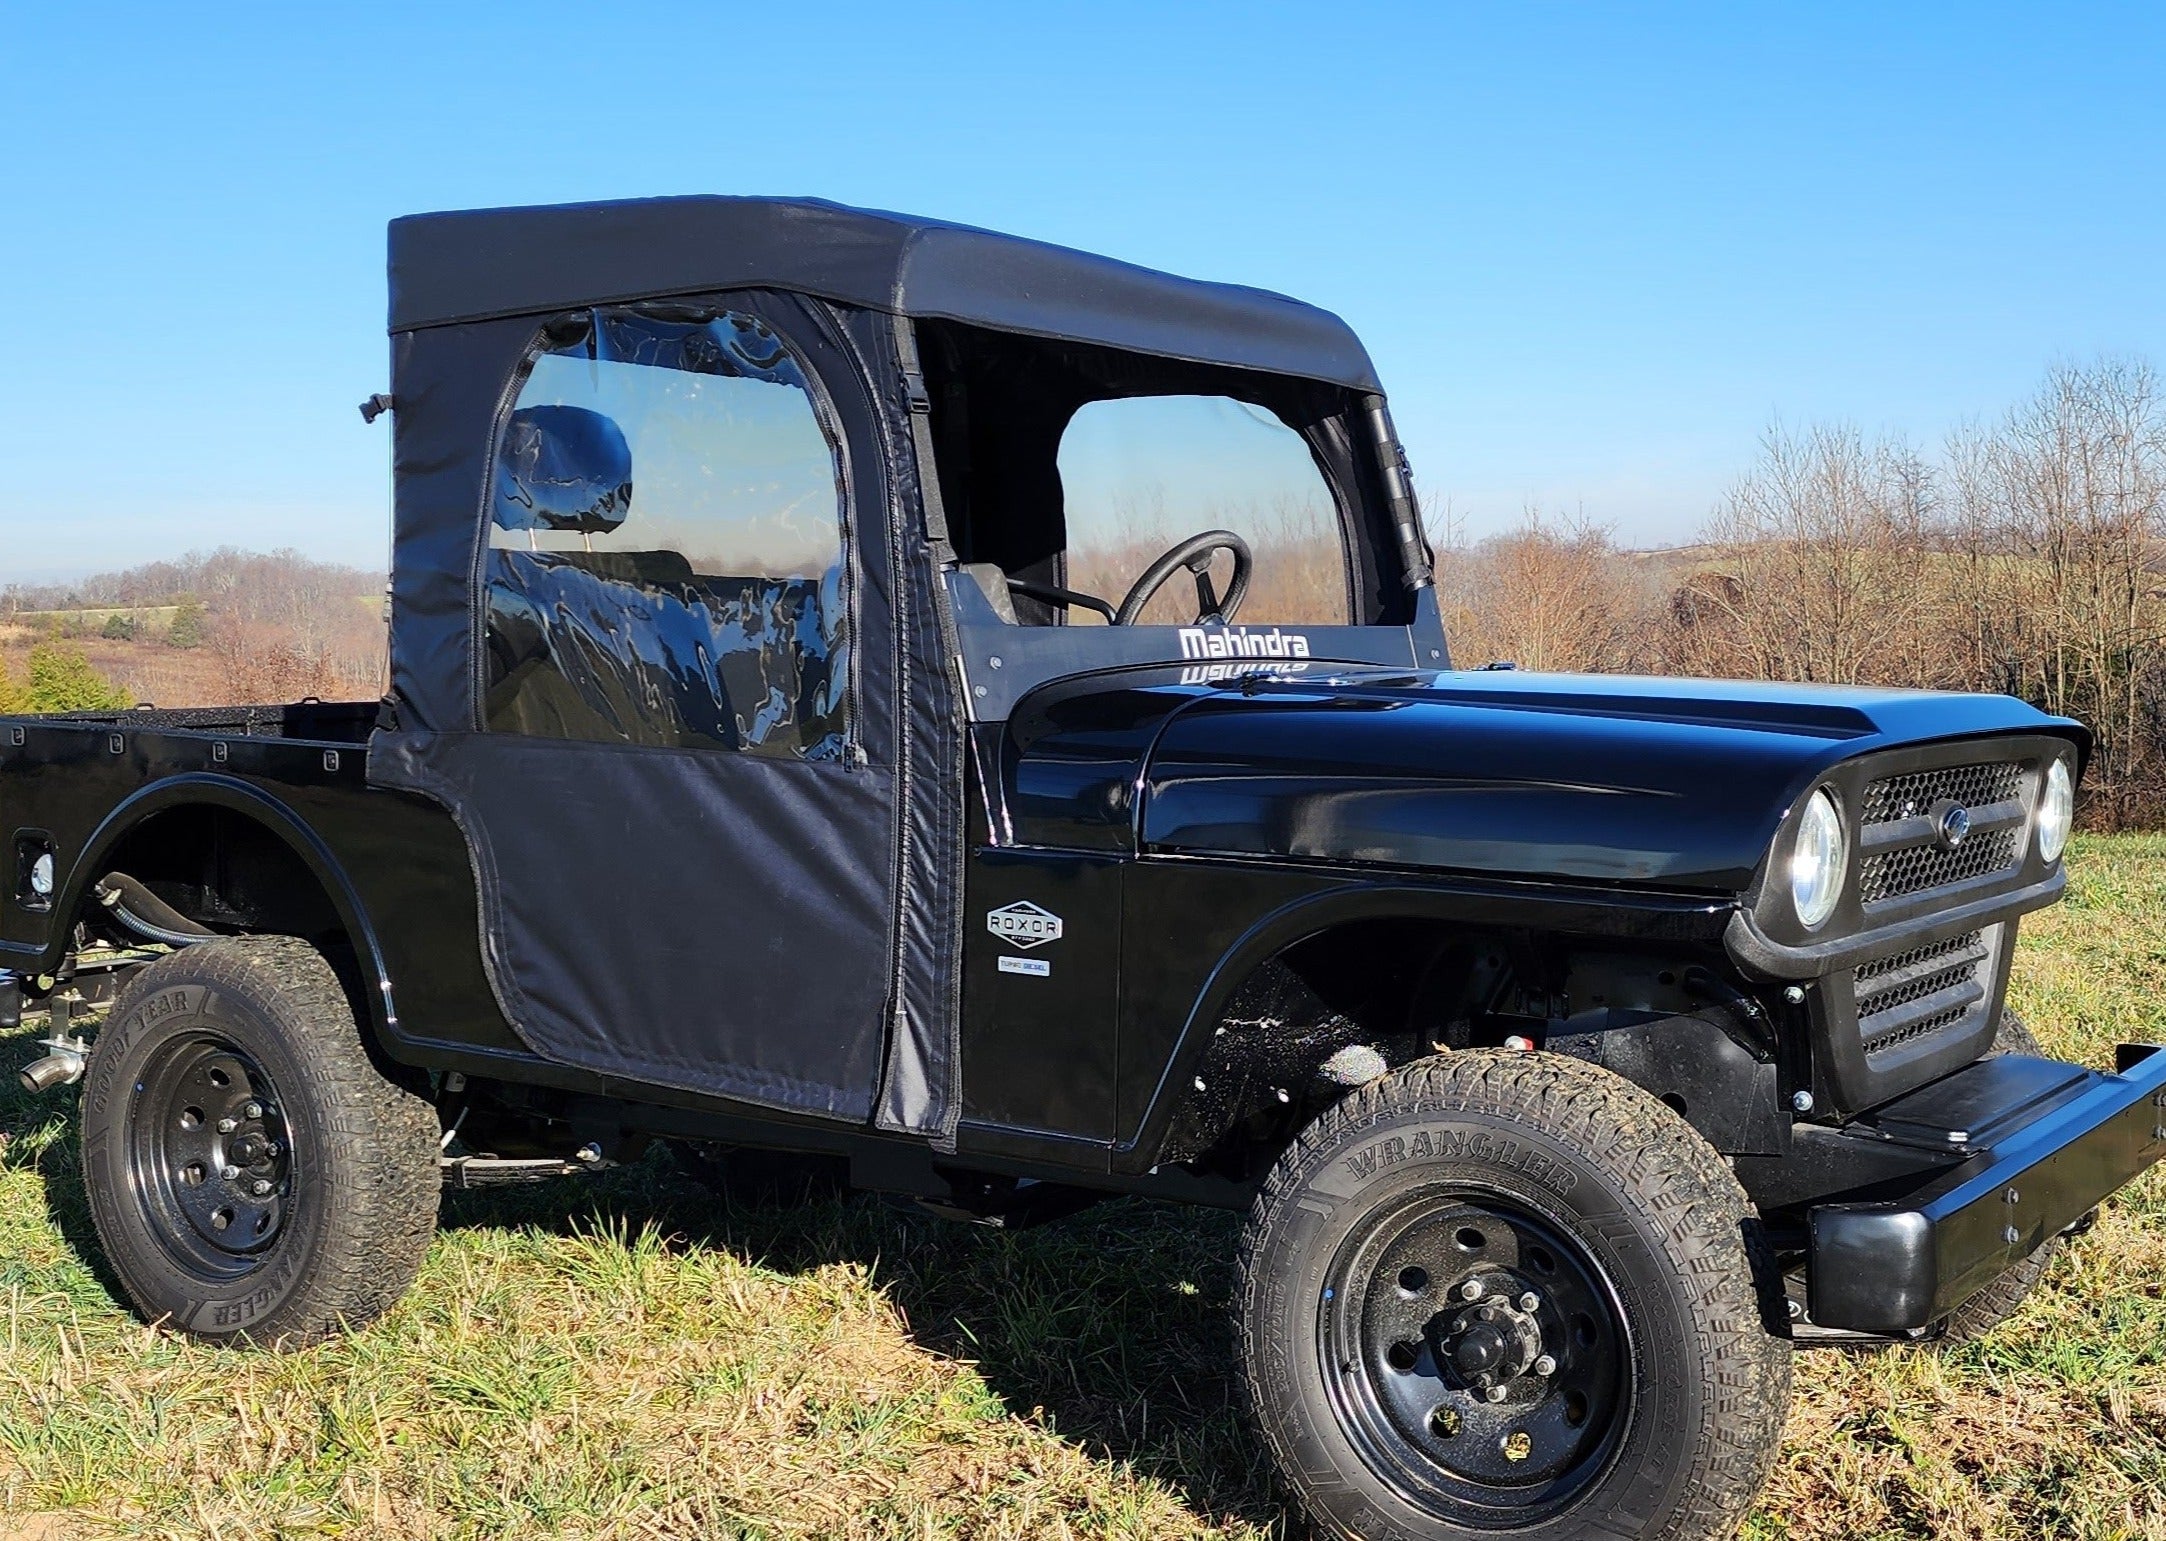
(976, 714)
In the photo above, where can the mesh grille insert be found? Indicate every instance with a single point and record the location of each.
(1899, 797)
(1880, 968)
(1912, 869)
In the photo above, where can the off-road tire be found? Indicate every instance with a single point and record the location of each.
(1621, 1176)
(356, 1181)
(2005, 1296)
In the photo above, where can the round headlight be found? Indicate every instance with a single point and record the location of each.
(1819, 860)
(2056, 810)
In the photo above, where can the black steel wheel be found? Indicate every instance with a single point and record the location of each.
(251, 1172)
(1477, 1354)
(1510, 1294)
(210, 1156)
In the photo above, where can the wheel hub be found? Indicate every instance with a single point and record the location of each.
(1488, 1345)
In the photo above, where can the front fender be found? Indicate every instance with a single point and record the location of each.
(1181, 967)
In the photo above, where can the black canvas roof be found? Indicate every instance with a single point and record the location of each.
(472, 265)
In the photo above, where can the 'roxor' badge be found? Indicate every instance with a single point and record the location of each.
(1024, 924)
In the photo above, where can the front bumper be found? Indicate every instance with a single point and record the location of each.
(2050, 1141)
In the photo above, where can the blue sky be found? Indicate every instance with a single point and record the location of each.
(1594, 250)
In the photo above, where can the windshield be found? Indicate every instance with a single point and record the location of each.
(1141, 474)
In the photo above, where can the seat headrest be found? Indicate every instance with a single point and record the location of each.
(563, 468)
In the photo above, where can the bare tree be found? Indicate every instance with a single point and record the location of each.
(1819, 566)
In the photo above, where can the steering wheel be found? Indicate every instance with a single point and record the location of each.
(1194, 554)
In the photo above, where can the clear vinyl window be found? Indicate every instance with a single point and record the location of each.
(665, 560)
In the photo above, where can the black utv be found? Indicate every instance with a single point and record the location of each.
(873, 691)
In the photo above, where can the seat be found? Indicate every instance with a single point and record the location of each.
(994, 582)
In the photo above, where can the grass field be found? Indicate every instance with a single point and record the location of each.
(630, 1358)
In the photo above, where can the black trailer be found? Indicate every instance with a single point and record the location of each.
(975, 715)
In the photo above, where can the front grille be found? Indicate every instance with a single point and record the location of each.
(1917, 860)
(1899, 797)
(1923, 992)
(1915, 868)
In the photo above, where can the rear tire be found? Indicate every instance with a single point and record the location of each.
(1613, 1374)
(251, 1174)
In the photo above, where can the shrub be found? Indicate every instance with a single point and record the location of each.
(186, 629)
(63, 680)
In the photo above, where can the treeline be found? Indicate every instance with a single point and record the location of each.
(2026, 555)
(224, 626)
(253, 580)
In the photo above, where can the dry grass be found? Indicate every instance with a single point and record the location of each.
(627, 1358)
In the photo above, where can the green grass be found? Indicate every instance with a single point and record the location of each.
(627, 1357)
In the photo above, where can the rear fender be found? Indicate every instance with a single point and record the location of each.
(203, 789)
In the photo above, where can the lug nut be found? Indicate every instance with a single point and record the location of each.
(270, 1149)
(1471, 1290)
(1494, 1393)
(259, 1187)
(253, 1110)
(1545, 1365)
(228, 1125)
(1530, 1301)
(229, 1172)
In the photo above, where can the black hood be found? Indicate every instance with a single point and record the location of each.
(1659, 782)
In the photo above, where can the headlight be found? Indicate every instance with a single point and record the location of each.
(1819, 860)
(2056, 810)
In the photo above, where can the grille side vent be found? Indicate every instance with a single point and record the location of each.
(1923, 992)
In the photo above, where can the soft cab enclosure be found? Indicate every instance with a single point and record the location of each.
(670, 638)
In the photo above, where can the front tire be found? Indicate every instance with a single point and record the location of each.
(1610, 1371)
(251, 1173)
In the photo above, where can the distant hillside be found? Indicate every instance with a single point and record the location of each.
(213, 628)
